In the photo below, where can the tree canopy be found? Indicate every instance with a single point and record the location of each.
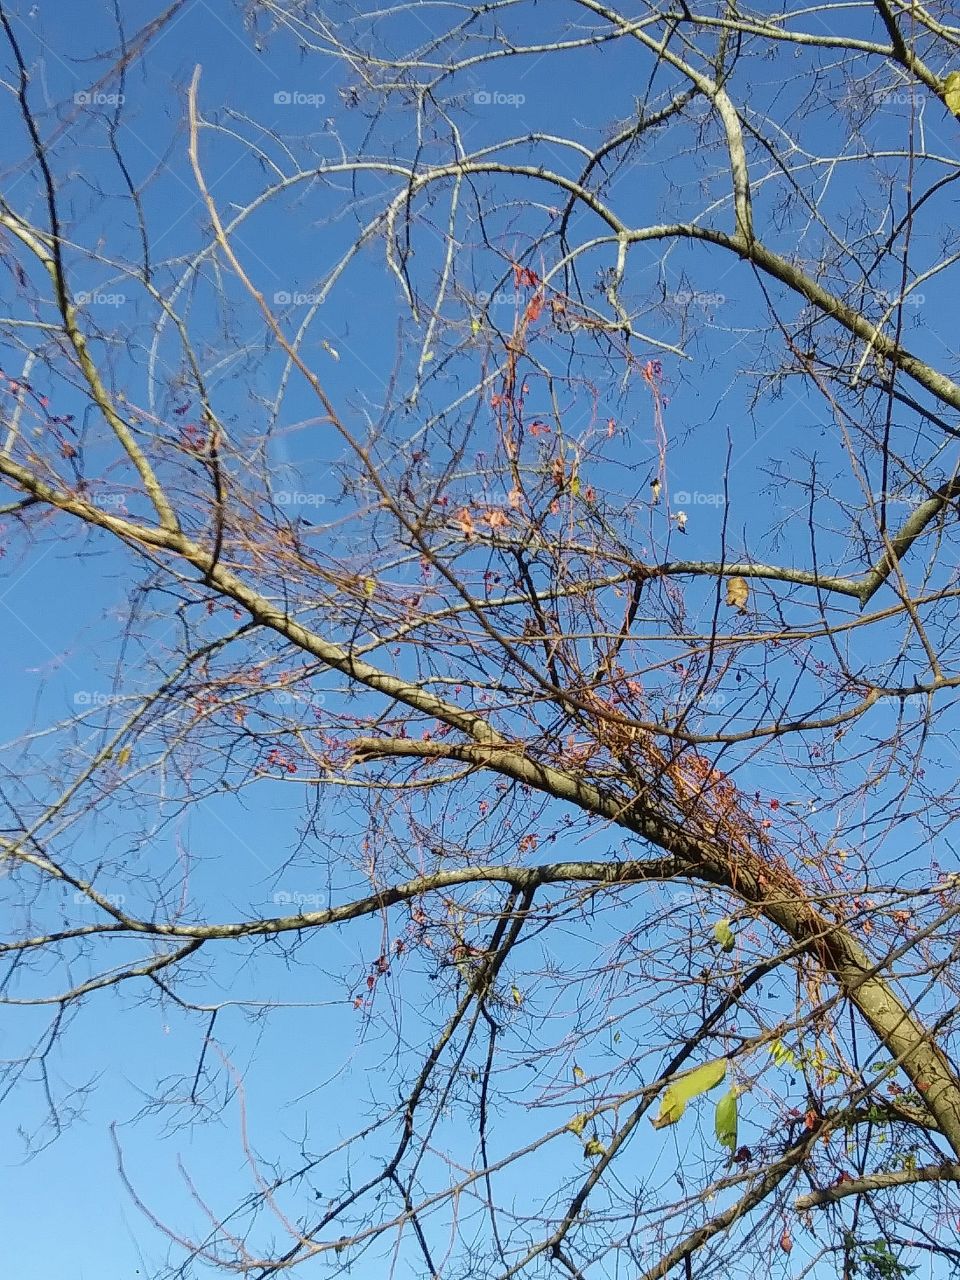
(479, 491)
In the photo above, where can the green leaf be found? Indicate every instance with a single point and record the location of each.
(577, 1124)
(725, 1120)
(723, 935)
(781, 1055)
(685, 1088)
(951, 92)
(594, 1148)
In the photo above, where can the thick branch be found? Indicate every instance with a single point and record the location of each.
(948, 1172)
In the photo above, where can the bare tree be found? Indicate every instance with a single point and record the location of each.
(537, 481)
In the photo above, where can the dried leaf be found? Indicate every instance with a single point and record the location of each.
(464, 521)
(738, 593)
(534, 308)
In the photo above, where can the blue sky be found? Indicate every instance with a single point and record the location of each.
(62, 600)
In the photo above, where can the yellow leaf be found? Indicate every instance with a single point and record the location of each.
(781, 1055)
(369, 587)
(738, 593)
(685, 1088)
(579, 1073)
(594, 1148)
(951, 92)
(475, 326)
(671, 1109)
(577, 1124)
(123, 755)
(517, 997)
